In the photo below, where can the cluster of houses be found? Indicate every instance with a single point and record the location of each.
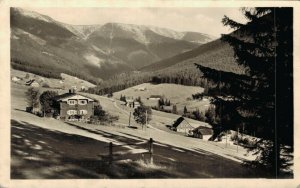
(131, 102)
(72, 106)
(40, 82)
(134, 103)
(30, 82)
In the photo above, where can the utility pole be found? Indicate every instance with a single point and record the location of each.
(243, 130)
(237, 144)
(151, 150)
(129, 119)
(226, 139)
(146, 118)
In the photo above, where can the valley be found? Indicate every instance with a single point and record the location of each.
(91, 52)
(127, 100)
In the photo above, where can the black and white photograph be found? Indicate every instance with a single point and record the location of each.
(151, 93)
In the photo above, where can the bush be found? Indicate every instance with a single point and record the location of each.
(45, 85)
(27, 76)
(123, 98)
(101, 116)
(198, 96)
(32, 98)
(210, 115)
(55, 114)
(199, 115)
(139, 114)
(234, 137)
(110, 95)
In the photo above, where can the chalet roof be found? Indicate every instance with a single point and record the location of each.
(182, 123)
(203, 130)
(67, 96)
(31, 81)
(178, 121)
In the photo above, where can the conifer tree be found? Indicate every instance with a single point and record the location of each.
(261, 100)
(185, 110)
(32, 97)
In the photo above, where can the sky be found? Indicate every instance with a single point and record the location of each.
(203, 20)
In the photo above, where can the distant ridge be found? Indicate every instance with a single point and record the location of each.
(45, 46)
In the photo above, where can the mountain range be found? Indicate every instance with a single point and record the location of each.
(42, 45)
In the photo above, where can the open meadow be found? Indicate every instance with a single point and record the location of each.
(179, 95)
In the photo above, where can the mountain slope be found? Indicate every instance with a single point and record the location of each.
(42, 45)
(215, 54)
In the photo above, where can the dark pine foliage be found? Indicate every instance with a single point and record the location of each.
(261, 100)
(142, 115)
(47, 100)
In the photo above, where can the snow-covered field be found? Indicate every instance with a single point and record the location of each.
(18, 114)
(34, 139)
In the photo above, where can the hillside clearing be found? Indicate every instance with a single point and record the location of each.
(178, 94)
(66, 82)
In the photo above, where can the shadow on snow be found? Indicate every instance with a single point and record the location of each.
(39, 153)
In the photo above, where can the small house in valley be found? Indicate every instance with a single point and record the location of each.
(130, 102)
(136, 104)
(182, 125)
(142, 89)
(32, 83)
(75, 107)
(166, 108)
(155, 97)
(15, 79)
(201, 132)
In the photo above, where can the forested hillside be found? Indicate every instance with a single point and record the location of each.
(44, 46)
(179, 69)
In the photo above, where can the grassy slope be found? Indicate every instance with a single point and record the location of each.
(178, 95)
(34, 139)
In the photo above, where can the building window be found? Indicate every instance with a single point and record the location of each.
(72, 102)
(82, 112)
(71, 112)
(82, 102)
